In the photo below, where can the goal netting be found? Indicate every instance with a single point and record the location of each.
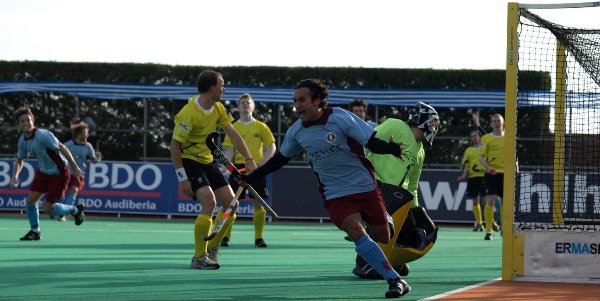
(554, 119)
(558, 128)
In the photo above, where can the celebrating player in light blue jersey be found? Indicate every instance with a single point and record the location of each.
(82, 151)
(50, 178)
(333, 139)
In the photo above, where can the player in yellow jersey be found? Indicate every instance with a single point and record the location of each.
(257, 136)
(492, 158)
(196, 169)
(474, 171)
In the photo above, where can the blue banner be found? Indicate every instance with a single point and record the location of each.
(116, 187)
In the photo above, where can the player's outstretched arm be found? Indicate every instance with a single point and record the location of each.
(275, 163)
(379, 146)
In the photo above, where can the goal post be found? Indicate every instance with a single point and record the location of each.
(551, 203)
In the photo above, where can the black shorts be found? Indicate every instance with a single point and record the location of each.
(494, 184)
(260, 185)
(474, 187)
(204, 174)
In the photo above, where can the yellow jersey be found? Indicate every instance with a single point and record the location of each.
(471, 160)
(193, 124)
(256, 134)
(493, 151)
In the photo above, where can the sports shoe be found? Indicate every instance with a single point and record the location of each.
(397, 288)
(61, 218)
(478, 228)
(489, 236)
(225, 242)
(31, 235)
(260, 243)
(495, 227)
(365, 271)
(212, 254)
(80, 215)
(203, 263)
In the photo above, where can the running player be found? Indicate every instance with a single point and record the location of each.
(256, 135)
(474, 171)
(196, 169)
(52, 176)
(492, 158)
(82, 151)
(333, 139)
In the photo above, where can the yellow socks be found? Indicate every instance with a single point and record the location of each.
(477, 214)
(259, 220)
(201, 229)
(489, 217)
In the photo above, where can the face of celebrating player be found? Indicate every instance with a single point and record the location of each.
(25, 125)
(306, 107)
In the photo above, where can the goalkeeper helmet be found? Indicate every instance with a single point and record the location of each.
(427, 119)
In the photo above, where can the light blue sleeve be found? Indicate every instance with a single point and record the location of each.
(21, 151)
(290, 146)
(353, 126)
(91, 153)
(49, 140)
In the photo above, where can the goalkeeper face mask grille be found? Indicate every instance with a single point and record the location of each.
(427, 119)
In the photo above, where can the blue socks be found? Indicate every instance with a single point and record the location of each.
(372, 254)
(33, 214)
(62, 209)
(69, 199)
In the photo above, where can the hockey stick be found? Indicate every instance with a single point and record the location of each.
(214, 149)
(226, 215)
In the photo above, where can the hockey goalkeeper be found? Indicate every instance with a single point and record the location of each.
(398, 180)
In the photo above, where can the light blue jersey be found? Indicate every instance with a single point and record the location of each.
(81, 153)
(42, 145)
(334, 145)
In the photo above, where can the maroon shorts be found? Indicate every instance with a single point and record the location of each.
(76, 182)
(370, 205)
(54, 186)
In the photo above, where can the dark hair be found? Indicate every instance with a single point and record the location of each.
(207, 79)
(358, 102)
(22, 111)
(317, 89)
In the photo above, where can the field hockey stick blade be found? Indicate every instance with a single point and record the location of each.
(226, 215)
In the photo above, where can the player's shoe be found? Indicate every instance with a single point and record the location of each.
(225, 242)
(79, 217)
(364, 270)
(31, 235)
(489, 236)
(260, 243)
(495, 227)
(203, 263)
(213, 254)
(397, 288)
(478, 228)
(61, 218)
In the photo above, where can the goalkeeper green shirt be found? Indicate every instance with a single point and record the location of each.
(390, 169)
